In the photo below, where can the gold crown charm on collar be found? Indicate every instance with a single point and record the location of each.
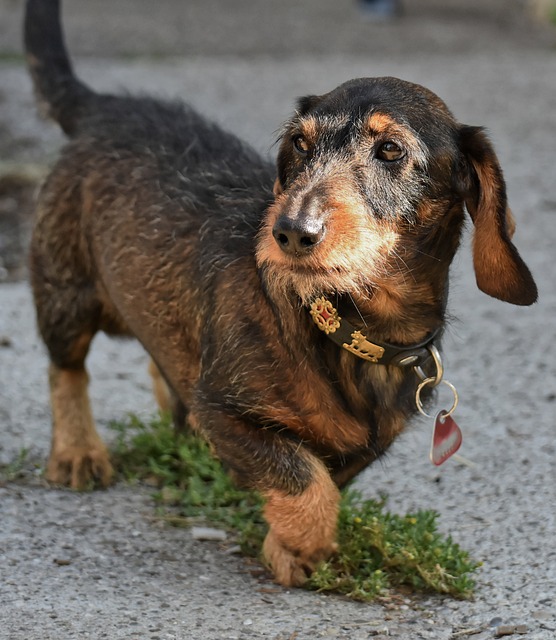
(325, 315)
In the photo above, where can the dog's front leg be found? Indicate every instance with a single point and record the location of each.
(301, 499)
(302, 527)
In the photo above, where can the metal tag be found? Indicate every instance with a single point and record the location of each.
(446, 438)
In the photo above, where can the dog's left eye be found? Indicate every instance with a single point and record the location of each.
(300, 145)
(390, 152)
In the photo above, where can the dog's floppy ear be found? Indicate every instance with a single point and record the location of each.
(499, 269)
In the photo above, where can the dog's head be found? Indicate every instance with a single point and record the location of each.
(372, 178)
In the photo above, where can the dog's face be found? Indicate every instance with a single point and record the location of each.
(371, 183)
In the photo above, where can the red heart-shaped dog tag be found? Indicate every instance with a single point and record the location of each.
(446, 438)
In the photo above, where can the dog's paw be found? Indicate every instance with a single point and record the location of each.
(292, 568)
(80, 467)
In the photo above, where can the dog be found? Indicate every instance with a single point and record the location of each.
(285, 307)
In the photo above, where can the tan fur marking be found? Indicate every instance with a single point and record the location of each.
(308, 408)
(267, 248)
(380, 122)
(160, 388)
(510, 223)
(80, 348)
(302, 528)
(309, 128)
(78, 454)
(353, 243)
(495, 269)
(427, 211)
(321, 421)
(388, 432)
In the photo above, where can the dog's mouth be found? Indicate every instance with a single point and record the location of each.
(307, 279)
(401, 310)
(323, 269)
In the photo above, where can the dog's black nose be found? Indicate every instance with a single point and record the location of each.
(297, 235)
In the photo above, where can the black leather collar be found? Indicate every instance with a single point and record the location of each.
(345, 335)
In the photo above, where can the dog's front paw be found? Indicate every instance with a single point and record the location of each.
(80, 467)
(292, 568)
(302, 529)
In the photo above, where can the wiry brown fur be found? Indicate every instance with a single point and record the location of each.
(156, 224)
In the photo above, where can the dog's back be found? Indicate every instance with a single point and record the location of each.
(166, 141)
(134, 168)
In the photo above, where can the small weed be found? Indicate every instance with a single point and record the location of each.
(11, 57)
(16, 468)
(378, 550)
(190, 480)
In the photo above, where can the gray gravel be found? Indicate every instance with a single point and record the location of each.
(99, 565)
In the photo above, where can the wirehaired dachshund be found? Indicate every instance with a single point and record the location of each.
(285, 307)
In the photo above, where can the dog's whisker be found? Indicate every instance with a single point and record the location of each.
(357, 309)
(428, 255)
(406, 269)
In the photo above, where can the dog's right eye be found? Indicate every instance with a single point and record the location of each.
(390, 152)
(300, 145)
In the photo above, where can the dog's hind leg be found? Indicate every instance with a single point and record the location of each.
(161, 390)
(78, 456)
(69, 314)
(167, 400)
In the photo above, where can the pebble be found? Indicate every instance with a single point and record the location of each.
(208, 533)
(5, 341)
(542, 615)
(510, 629)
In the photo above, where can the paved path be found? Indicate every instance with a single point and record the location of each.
(97, 565)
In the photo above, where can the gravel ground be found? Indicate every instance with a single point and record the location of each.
(98, 565)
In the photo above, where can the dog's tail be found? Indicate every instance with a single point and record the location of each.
(64, 97)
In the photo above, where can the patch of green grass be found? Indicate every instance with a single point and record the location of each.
(381, 550)
(15, 468)
(192, 485)
(378, 550)
(11, 57)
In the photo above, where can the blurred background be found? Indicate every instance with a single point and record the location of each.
(279, 28)
(243, 62)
